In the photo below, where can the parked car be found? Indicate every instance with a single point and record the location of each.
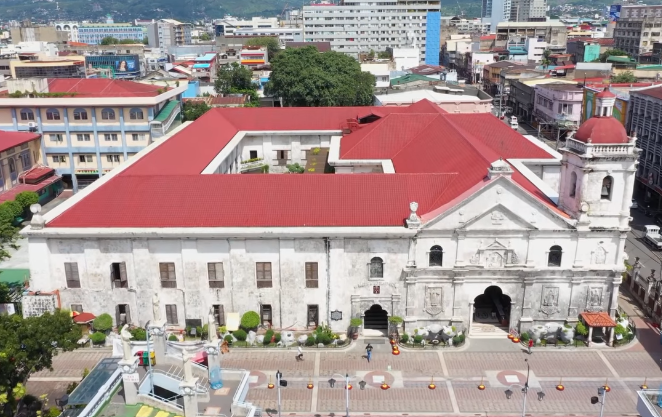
(513, 122)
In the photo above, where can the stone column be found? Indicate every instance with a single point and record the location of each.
(527, 301)
(459, 299)
(411, 258)
(130, 378)
(513, 319)
(573, 309)
(613, 305)
(590, 336)
(214, 364)
(188, 391)
(157, 339)
(611, 336)
(471, 316)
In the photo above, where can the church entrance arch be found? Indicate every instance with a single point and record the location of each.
(376, 318)
(492, 306)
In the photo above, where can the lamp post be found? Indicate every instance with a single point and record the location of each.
(525, 389)
(348, 387)
(601, 398)
(279, 375)
(149, 360)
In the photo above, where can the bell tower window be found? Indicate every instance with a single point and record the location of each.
(573, 184)
(605, 193)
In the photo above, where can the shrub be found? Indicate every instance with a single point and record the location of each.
(395, 320)
(250, 320)
(139, 333)
(404, 338)
(524, 337)
(173, 338)
(27, 198)
(71, 387)
(356, 322)
(277, 337)
(103, 323)
(418, 339)
(12, 208)
(240, 335)
(310, 341)
(316, 151)
(323, 338)
(620, 330)
(267, 336)
(54, 412)
(228, 338)
(458, 340)
(581, 329)
(98, 338)
(295, 168)
(222, 329)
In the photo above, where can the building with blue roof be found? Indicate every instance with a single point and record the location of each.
(205, 66)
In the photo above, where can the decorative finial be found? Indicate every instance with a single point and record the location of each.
(37, 222)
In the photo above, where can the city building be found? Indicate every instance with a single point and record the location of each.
(514, 34)
(495, 12)
(284, 35)
(454, 50)
(166, 33)
(558, 107)
(252, 56)
(645, 114)
(449, 98)
(381, 70)
(467, 26)
(127, 66)
(356, 26)
(638, 28)
(492, 75)
(69, 27)
(528, 10)
(27, 32)
(500, 224)
(19, 152)
(205, 67)
(534, 49)
(230, 25)
(93, 33)
(89, 126)
(522, 96)
(588, 50)
(61, 68)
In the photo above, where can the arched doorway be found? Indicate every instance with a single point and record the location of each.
(492, 306)
(375, 318)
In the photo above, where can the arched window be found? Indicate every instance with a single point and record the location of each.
(52, 114)
(27, 114)
(573, 183)
(136, 114)
(554, 258)
(376, 268)
(80, 114)
(436, 256)
(107, 114)
(605, 192)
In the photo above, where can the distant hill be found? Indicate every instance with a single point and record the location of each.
(128, 10)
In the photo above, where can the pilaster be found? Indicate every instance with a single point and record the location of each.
(188, 391)
(411, 258)
(574, 303)
(130, 378)
(528, 301)
(459, 299)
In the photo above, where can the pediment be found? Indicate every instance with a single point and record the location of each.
(497, 217)
(499, 205)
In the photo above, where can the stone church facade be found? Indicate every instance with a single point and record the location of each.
(497, 253)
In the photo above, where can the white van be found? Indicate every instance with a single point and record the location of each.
(513, 122)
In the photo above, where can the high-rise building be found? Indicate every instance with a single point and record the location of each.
(528, 10)
(356, 26)
(496, 11)
(168, 32)
(93, 33)
(638, 28)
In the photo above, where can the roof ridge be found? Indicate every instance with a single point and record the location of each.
(436, 116)
(478, 147)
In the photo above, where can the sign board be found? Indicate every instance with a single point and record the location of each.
(614, 12)
(36, 305)
(133, 378)
(336, 315)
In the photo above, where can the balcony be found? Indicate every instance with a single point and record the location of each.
(254, 164)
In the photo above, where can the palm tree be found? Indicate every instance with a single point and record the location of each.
(545, 58)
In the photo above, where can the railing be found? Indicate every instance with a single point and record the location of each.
(103, 395)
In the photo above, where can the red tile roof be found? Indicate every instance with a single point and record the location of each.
(487, 37)
(102, 87)
(83, 318)
(437, 156)
(600, 319)
(36, 173)
(652, 92)
(11, 193)
(220, 101)
(602, 130)
(10, 139)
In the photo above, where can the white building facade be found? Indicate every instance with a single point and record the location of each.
(493, 254)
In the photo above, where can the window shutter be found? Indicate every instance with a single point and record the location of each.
(123, 273)
(117, 315)
(267, 270)
(128, 314)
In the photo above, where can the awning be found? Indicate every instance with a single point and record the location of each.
(601, 319)
(83, 318)
(232, 322)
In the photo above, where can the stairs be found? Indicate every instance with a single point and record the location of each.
(178, 373)
(488, 331)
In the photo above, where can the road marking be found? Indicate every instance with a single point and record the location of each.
(604, 359)
(444, 369)
(316, 374)
(451, 394)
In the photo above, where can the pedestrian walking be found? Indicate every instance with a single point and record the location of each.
(300, 355)
(368, 351)
(530, 346)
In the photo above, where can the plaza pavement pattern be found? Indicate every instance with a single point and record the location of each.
(457, 372)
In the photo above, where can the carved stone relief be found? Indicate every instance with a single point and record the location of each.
(495, 255)
(497, 217)
(599, 255)
(550, 301)
(594, 299)
(434, 300)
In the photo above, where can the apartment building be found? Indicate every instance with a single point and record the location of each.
(204, 67)
(559, 104)
(19, 152)
(69, 27)
(62, 68)
(638, 28)
(93, 33)
(496, 11)
(528, 10)
(355, 26)
(28, 32)
(228, 25)
(515, 34)
(89, 126)
(166, 33)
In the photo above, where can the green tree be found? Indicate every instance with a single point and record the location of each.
(145, 40)
(103, 323)
(233, 76)
(194, 109)
(271, 43)
(28, 345)
(303, 77)
(611, 52)
(546, 61)
(204, 36)
(109, 40)
(250, 320)
(624, 77)
(27, 198)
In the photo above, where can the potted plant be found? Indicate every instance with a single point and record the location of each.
(354, 325)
